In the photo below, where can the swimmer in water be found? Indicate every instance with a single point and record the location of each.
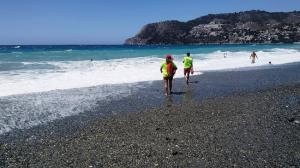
(253, 56)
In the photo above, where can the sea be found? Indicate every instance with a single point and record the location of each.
(42, 83)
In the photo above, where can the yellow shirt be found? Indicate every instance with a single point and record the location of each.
(164, 69)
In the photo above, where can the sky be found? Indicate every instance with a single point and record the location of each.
(107, 21)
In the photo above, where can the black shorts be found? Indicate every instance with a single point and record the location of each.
(168, 78)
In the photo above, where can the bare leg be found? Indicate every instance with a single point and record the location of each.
(166, 87)
(170, 85)
(187, 77)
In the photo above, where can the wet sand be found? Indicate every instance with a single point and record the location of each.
(225, 119)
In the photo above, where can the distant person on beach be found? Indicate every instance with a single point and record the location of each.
(168, 70)
(253, 56)
(188, 67)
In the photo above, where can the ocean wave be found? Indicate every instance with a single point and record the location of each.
(78, 74)
(14, 66)
(17, 52)
(31, 98)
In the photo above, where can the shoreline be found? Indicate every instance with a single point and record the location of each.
(204, 44)
(146, 95)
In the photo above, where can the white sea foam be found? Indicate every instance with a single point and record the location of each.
(25, 111)
(45, 102)
(235, 60)
(78, 74)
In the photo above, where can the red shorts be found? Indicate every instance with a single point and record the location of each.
(187, 70)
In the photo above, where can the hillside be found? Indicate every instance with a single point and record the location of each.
(242, 27)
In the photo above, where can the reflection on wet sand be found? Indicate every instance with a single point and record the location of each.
(188, 94)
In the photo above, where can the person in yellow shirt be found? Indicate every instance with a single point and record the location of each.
(168, 70)
(188, 67)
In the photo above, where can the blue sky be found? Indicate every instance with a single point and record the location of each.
(107, 21)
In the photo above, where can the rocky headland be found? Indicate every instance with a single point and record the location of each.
(228, 28)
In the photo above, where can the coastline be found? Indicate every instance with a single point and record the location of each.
(145, 95)
(133, 124)
(238, 43)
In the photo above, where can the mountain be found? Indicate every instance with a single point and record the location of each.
(240, 27)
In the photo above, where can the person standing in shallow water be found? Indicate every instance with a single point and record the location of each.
(168, 70)
(253, 56)
(188, 67)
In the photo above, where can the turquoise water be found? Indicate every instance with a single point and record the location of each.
(106, 52)
(70, 66)
(12, 57)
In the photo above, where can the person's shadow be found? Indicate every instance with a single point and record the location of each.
(188, 94)
(194, 82)
(177, 93)
(168, 101)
